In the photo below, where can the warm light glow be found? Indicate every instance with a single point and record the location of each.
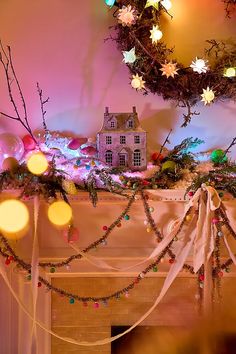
(37, 163)
(208, 96)
(230, 72)
(156, 34)
(60, 213)
(166, 4)
(14, 218)
(137, 82)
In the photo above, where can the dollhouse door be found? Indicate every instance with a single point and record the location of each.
(123, 159)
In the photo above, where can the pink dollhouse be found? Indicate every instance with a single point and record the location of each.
(122, 142)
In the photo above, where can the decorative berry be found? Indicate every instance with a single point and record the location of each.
(126, 217)
(151, 209)
(96, 305)
(220, 274)
(154, 269)
(52, 270)
(39, 284)
(119, 224)
(190, 194)
(104, 228)
(201, 277)
(171, 260)
(11, 258)
(28, 277)
(215, 221)
(72, 301)
(221, 194)
(7, 261)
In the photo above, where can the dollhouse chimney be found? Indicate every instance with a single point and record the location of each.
(134, 109)
(106, 110)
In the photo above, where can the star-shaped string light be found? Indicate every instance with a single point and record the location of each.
(169, 69)
(154, 3)
(156, 34)
(207, 96)
(137, 82)
(199, 66)
(166, 4)
(129, 56)
(127, 15)
(230, 72)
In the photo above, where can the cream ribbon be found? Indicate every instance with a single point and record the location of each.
(34, 278)
(202, 242)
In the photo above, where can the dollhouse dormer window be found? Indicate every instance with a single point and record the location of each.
(130, 123)
(112, 124)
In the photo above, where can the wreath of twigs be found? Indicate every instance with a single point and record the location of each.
(187, 86)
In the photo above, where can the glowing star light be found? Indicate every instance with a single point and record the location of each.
(169, 69)
(207, 96)
(127, 16)
(156, 34)
(137, 82)
(154, 3)
(199, 66)
(230, 72)
(166, 4)
(129, 56)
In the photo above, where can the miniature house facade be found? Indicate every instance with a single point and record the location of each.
(122, 142)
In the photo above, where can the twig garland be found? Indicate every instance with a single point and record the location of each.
(186, 86)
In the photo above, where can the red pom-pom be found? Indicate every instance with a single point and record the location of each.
(201, 277)
(11, 258)
(39, 284)
(190, 194)
(220, 274)
(104, 228)
(119, 224)
(29, 142)
(145, 182)
(156, 156)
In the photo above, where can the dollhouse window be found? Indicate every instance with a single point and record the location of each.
(108, 140)
(137, 158)
(108, 157)
(130, 123)
(137, 139)
(112, 124)
(122, 139)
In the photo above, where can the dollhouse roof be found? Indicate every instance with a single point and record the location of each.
(121, 122)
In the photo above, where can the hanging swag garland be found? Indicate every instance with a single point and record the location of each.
(139, 37)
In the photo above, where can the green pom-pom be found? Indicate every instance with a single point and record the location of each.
(218, 156)
(52, 270)
(126, 217)
(168, 166)
(72, 301)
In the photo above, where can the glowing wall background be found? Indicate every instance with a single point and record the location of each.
(60, 43)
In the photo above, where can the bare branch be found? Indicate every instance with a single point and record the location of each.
(42, 104)
(231, 144)
(165, 142)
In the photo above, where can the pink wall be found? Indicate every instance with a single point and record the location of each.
(60, 44)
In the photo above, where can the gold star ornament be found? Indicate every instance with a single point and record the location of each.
(137, 82)
(207, 96)
(169, 69)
